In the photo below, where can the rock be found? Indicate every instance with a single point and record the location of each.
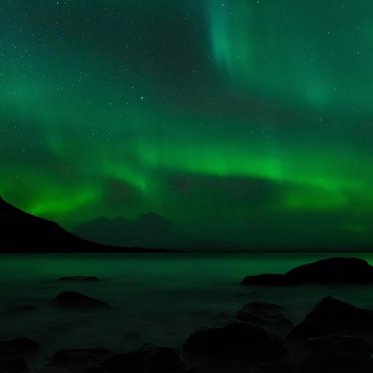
(221, 368)
(269, 280)
(80, 359)
(332, 316)
(333, 361)
(275, 368)
(220, 317)
(341, 343)
(236, 341)
(96, 370)
(12, 362)
(148, 359)
(264, 314)
(23, 346)
(275, 321)
(72, 299)
(334, 270)
(78, 278)
(53, 369)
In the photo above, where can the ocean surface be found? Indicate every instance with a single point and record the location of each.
(159, 298)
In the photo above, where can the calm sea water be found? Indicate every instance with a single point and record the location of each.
(162, 297)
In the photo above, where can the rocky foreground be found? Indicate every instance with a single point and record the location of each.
(334, 337)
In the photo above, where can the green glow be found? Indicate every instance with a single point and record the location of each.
(240, 123)
(55, 206)
(231, 37)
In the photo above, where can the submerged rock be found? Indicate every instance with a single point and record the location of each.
(236, 341)
(332, 316)
(78, 278)
(148, 359)
(335, 270)
(72, 299)
(270, 280)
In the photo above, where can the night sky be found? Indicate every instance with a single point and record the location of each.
(200, 124)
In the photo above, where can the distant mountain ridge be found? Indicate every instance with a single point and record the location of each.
(23, 232)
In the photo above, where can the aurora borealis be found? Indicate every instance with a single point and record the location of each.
(231, 124)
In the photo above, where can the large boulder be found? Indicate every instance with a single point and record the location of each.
(265, 314)
(148, 359)
(73, 299)
(236, 341)
(335, 270)
(270, 280)
(332, 316)
(332, 270)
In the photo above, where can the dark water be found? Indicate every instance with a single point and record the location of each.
(162, 297)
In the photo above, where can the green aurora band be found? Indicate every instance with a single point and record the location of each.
(200, 124)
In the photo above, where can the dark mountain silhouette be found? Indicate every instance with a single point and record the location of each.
(145, 230)
(23, 232)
